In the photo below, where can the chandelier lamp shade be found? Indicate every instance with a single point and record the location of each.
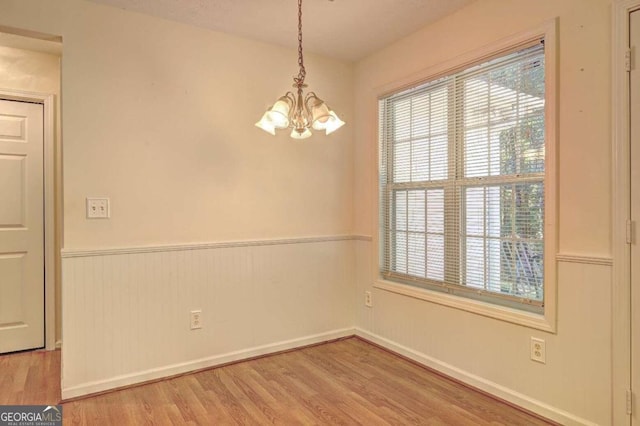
(297, 111)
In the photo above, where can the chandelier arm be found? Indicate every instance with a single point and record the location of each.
(307, 98)
(301, 110)
(292, 107)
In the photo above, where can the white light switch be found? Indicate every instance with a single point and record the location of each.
(98, 208)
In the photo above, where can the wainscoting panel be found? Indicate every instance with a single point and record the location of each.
(573, 387)
(127, 312)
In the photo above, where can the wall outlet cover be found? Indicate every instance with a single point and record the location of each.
(196, 319)
(538, 350)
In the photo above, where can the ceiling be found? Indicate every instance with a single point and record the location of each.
(344, 29)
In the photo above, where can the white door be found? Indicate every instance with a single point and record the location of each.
(635, 214)
(21, 226)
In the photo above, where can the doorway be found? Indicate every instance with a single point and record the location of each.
(22, 242)
(13, 158)
(30, 74)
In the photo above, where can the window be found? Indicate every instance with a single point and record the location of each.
(462, 182)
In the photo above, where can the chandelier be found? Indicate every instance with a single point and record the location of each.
(296, 111)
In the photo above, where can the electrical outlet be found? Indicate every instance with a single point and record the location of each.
(538, 350)
(367, 299)
(196, 319)
(98, 208)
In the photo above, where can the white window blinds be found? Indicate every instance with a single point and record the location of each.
(462, 181)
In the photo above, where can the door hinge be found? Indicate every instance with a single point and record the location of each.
(630, 231)
(628, 60)
(629, 402)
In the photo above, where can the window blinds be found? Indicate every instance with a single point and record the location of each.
(462, 165)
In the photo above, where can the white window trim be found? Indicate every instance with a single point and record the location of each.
(546, 321)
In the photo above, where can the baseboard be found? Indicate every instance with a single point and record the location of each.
(58, 344)
(478, 382)
(198, 364)
(472, 380)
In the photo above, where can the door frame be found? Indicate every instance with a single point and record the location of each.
(50, 266)
(621, 179)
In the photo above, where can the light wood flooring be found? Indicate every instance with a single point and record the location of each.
(344, 382)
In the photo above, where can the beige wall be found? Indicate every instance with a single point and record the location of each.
(584, 102)
(159, 117)
(31, 71)
(574, 385)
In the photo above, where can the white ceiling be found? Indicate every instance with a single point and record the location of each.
(344, 29)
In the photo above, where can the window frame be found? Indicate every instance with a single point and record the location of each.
(543, 321)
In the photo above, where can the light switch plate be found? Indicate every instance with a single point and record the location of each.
(98, 208)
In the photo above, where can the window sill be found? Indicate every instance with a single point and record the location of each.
(514, 316)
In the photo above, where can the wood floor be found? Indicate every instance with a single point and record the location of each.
(344, 382)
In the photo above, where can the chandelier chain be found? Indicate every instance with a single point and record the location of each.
(303, 72)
